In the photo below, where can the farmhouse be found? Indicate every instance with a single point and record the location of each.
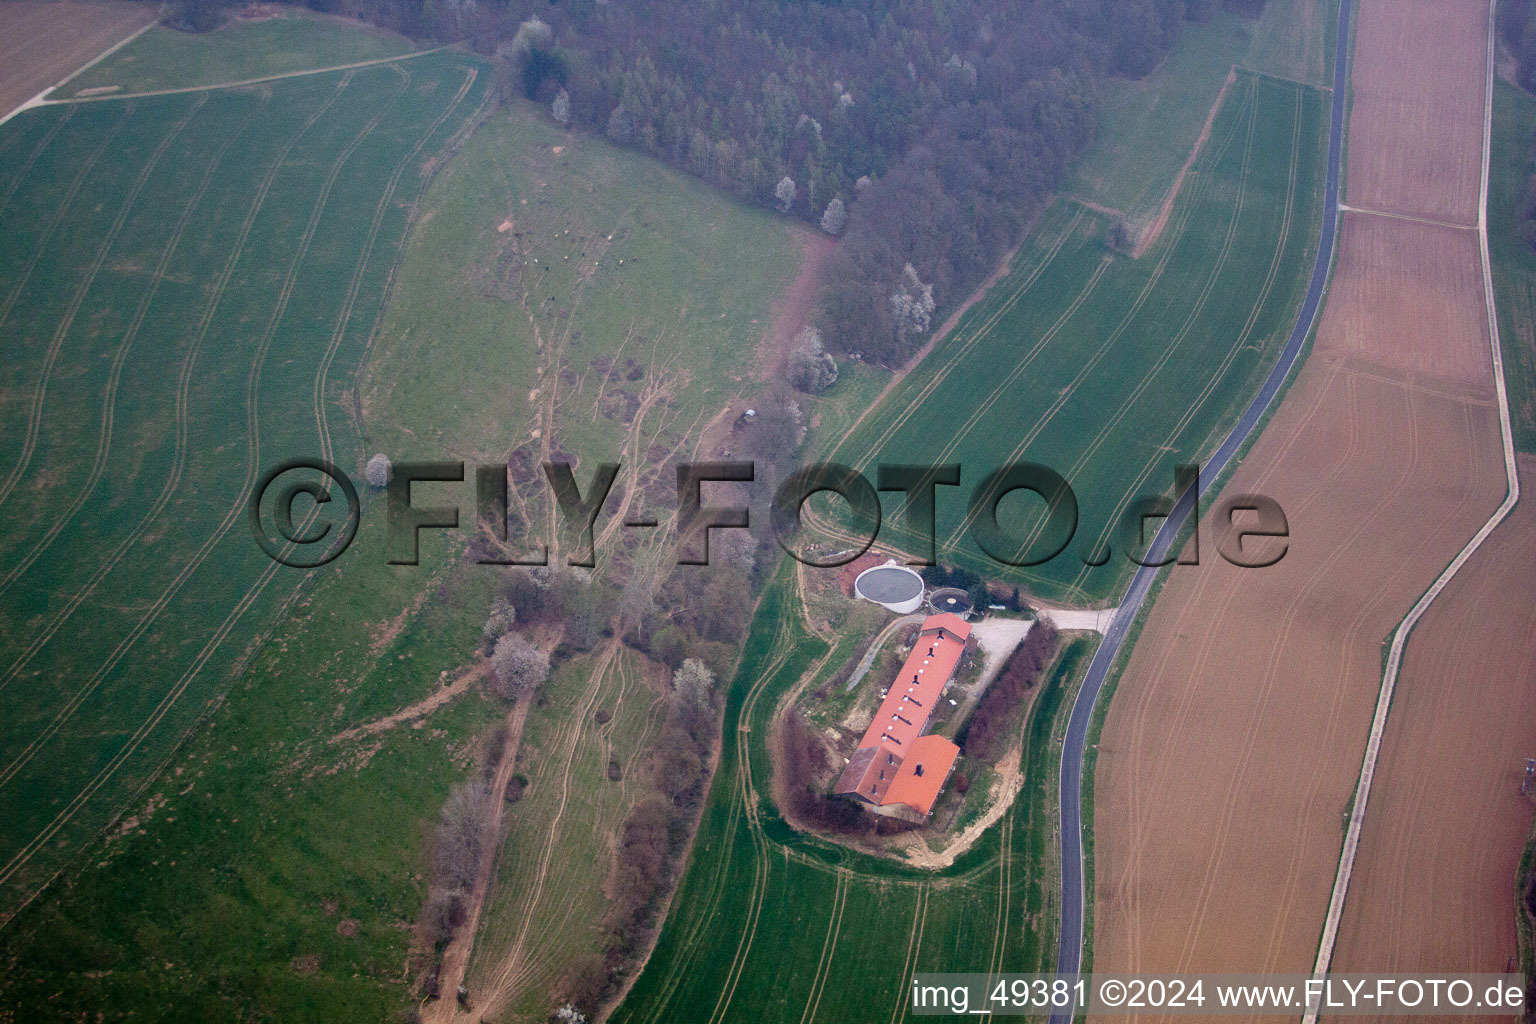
(896, 768)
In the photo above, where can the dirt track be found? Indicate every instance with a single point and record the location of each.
(44, 42)
(1232, 745)
(1434, 882)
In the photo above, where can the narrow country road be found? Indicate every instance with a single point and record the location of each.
(1069, 953)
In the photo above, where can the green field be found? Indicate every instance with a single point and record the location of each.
(1110, 370)
(1514, 261)
(294, 41)
(769, 924)
(194, 282)
(1147, 127)
(234, 316)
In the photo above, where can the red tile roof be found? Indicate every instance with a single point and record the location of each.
(910, 701)
(923, 773)
(896, 762)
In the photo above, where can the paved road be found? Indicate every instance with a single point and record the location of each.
(1069, 953)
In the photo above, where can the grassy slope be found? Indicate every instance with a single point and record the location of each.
(165, 58)
(1147, 127)
(227, 868)
(691, 296)
(1111, 370)
(1514, 263)
(770, 924)
(291, 834)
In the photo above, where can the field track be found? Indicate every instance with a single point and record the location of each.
(1387, 453)
(1434, 879)
(225, 198)
(1459, 664)
(46, 42)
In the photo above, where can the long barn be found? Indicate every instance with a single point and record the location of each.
(896, 764)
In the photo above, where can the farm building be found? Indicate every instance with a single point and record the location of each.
(896, 768)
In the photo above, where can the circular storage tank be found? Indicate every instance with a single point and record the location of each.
(952, 600)
(894, 586)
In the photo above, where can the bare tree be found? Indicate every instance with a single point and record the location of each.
(378, 471)
(517, 665)
(462, 831)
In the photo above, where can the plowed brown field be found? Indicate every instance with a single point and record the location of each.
(1416, 126)
(1234, 740)
(43, 41)
(1434, 881)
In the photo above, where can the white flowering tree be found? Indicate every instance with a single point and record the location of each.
(912, 304)
(784, 192)
(694, 682)
(560, 107)
(378, 471)
(835, 217)
(517, 665)
(811, 368)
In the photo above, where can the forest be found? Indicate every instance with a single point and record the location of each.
(927, 135)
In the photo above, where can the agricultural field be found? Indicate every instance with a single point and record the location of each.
(47, 40)
(227, 311)
(1434, 880)
(1387, 457)
(174, 333)
(1149, 126)
(285, 40)
(1514, 261)
(1112, 370)
(769, 924)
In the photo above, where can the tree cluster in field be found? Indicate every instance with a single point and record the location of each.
(995, 722)
(923, 134)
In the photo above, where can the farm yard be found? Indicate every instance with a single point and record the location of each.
(1110, 370)
(735, 944)
(1386, 455)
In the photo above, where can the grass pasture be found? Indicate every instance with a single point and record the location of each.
(1110, 370)
(769, 924)
(605, 307)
